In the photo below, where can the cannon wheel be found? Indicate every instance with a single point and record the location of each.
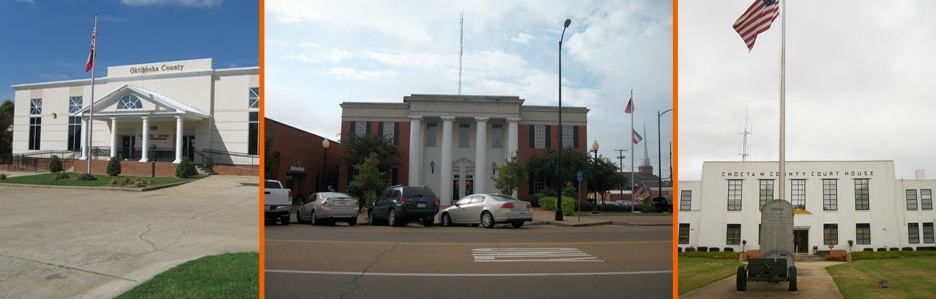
(792, 278)
(742, 279)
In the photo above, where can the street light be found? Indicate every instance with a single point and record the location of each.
(659, 153)
(559, 185)
(595, 204)
(325, 145)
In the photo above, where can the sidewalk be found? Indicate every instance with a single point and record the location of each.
(541, 216)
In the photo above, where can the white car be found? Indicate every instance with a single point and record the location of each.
(327, 207)
(487, 210)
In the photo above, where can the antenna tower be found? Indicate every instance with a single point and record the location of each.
(745, 149)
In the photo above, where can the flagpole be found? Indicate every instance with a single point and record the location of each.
(633, 113)
(91, 111)
(783, 100)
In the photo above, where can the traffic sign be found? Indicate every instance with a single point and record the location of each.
(580, 176)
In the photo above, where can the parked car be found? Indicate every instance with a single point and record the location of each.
(398, 205)
(487, 210)
(327, 207)
(277, 202)
(663, 204)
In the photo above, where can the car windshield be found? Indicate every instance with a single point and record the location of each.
(418, 192)
(332, 195)
(502, 198)
(271, 184)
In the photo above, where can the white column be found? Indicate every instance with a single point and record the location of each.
(85, 145)
(446, 164)
(113, 143)
(512, 142)
(415, 150)
(145, 150)
(481, 171)
(178, 140)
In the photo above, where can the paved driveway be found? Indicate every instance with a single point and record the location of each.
(63, 243)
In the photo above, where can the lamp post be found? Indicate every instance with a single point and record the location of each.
(325, 145)
(659, 153)
(595, 204)
(559, 185)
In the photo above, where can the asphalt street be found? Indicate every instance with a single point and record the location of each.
(536, 261)
(86, 243)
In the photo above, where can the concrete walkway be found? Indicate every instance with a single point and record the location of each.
(813, 281)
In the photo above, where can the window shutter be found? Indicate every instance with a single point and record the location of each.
(548, 143)
(532, 136)
(396, 133)
(575, 139)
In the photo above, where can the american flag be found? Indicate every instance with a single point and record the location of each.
(630, 106)
(756, 20)
(91, 55)
(637, 138)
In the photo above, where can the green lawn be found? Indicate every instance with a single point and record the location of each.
(908, 277)
(697, 272)
(102, 180)
(587, 213)
(231, 275)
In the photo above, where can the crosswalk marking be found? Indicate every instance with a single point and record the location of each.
(489, 255)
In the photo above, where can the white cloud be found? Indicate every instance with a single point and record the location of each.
(187, 3)
(522, 38)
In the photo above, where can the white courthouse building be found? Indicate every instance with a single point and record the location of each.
(834, 202)
(153, 114)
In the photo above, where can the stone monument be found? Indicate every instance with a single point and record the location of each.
(775, 263)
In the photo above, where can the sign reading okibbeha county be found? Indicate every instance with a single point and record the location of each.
(160, 68)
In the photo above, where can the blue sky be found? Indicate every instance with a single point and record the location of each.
(50, 40)
(322, 53)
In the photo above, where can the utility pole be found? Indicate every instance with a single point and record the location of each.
(620, 158)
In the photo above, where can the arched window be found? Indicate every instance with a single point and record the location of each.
(129, 101)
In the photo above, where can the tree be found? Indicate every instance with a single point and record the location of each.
(355, 149)
(6, 129)
(270, 159)
(545, 166)
(367, 182)
(113, 166)
(510, 176)
(607, 174)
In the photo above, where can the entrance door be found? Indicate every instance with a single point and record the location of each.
(801, 241)
(188, 147)
(455, 188)
(129, 143)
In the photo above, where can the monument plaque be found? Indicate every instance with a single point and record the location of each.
(775, 263)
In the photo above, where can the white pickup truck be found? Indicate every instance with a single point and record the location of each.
(277, 202)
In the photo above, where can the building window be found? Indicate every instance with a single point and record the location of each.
(911, 199)
(128, 102)
(684, 233)
(74, 104)
(253, 137)
(734, 234)
(829, 195)
(539, 184)
(734, 195)
(568, 137)
(539, 136)
(431, 132)
(388, 129)
(913, 233)
(862, 195)
(766, 192)
(74, 124)
(463, 135)
(830, 233)
(497, 136)
(928, 236)
(254, 97)
(35, 132)
(35, 107)
(798, 194)
(863, 233)
(360, 128)
(685, 200)
(926, 199)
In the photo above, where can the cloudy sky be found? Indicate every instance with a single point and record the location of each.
(319, 54)
(50, 40)
(859, 77)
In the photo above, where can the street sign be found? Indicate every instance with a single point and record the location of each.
(580, 176)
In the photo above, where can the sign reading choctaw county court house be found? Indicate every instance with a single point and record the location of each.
(147, 112)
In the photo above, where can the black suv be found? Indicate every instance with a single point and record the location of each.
(398, 205)
(662, 204)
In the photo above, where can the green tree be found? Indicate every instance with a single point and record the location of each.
(510, 176)
(607, 174)
(355, 149)
(55, 164)
(182, 170)
(367, 182)
(6, 129)
(545, 166)
(270, 159)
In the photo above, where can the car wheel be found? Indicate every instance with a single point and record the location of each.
(429, 221)
(517, 224)
(370, 218)
(446, 220)
(792, 278)
(487, 220)
(392, 218)
(352, 221)
(314, 218)
(285, 219)
(299, 217)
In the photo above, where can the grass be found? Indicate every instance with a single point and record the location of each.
(588, 213)
(231, 275)
(908, 277)
(102, 180)
(697, 272)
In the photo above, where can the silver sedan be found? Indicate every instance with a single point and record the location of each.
(487, 210)
(326, 207)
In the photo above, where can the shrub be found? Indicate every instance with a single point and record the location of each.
(717, 255)
(714, 249)
(86, 177)
(151, 182)
(60, 175)
(114, 182)
(125, 181)
(2, 176)
(549, 203)
(182, 170)
(55, 165)
(113, 166)
(646, 209)
(139, 183)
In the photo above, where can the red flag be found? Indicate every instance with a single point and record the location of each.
(636, 137)
(756, 20)
(91, 55)
(630, 106)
